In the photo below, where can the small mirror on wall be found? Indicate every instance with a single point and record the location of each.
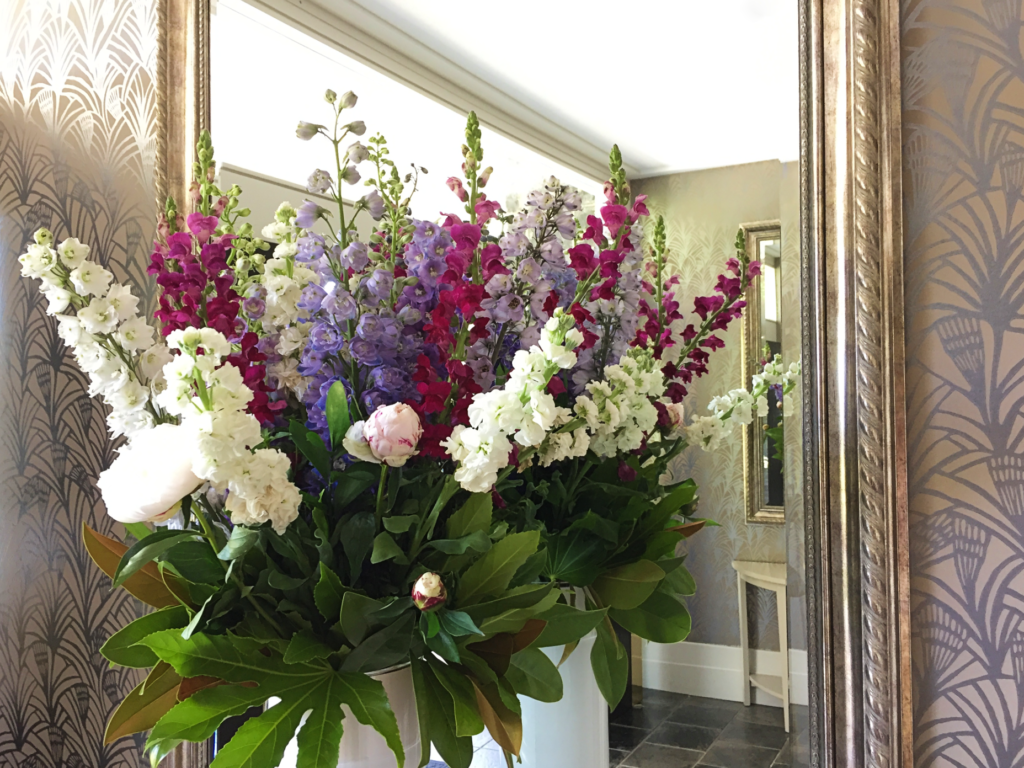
(763, 459)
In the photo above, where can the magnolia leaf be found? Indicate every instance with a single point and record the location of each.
(526, 636)
(472, 517)
(660, 619)
(496, 651)
(328, 594)
(504, 725)
(443, 645)
(467, 716)
(121, 648)
(436, 711)
(242, 539)
(338, 418)
(458, 623)
(688, 529)
(533, 674)
(195, 561)
(567, 652)
(520, 597)
(356, 610)
(678, 580)
(145, 705)
(383, 648)
(610, 663)
(680, 496)
(566, 624)
(386, 548)
(148, 550)
(148, 584)
(489, 576)
(628, 585)
(304, 646)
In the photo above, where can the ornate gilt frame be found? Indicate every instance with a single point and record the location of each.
(753, 468)
(854, 431)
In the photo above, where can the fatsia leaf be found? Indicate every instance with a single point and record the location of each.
(610, 662)
(121, 648)
(338, 419)
(148, 584)
(328, 594)
(533, 674)
(628, 585)
(366, 698)
(145, 705)
(566, 624)
(473, 516)
(198, 716)
(661, 619)
(148, 550)
(261, 742)
(575, 557)
(490, 575)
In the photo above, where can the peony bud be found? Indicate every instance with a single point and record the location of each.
(676, 414)
(429, 593)
(392, 432)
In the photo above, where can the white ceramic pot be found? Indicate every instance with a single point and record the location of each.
(573, 732)
(361, 745)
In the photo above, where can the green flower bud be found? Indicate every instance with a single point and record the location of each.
(43, 236)
(330, 96)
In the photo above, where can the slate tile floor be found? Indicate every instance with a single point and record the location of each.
(676, 731)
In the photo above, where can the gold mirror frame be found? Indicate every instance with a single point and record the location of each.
(857, 567)
(757, 509)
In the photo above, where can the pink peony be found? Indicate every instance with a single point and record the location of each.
(392, 432)
(429, 592)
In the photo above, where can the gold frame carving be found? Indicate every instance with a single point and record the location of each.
(753, 458)
(857, 578)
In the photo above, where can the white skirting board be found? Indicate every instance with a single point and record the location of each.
(716, 672)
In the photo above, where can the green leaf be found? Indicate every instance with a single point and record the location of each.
(678, 580)
(473, 516)
(356, 610)
(661, 619)
(366, 698)
(121, 648)
(199, 716)
(533, 674)
(598, 525)
(383, 648)
(145, 705)
(439, 641)
(146, 551)
(284, 582)
(138, 530)
(328, 593)
(304, 646)
(458, 623)
(241, 541)
(357, 536)
(520, 597)
(628, 585)
(478, 541)
(610, 662)
(338, 419)
(319, 739)
(467, 716)
(575, 557)
(311, 445)
(400, 523)
(386, 548)
(680, 496)
(196, 561)
(566, 624)
(490, 575)
(352, 482)
(436, 708)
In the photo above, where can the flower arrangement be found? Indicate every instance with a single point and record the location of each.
(344, 456)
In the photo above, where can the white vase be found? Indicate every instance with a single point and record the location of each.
(361, 745)
(573, 732)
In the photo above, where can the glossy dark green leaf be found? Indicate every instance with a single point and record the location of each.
(443, 645)
(138, 530)
(242, 539)
(678, 581)
(473, 516)
(304, 646)
(121, 648)
(436, 710)
(477, 541)
(566, 624)
(285, 582)
(400, 523)
(520, 597)
(628, 585)
(357, 536)
(489, 576)
(148, 550)
(660, 619)
(467, 716)
(386, 548)
(356, 613)
(458, 623)
(575, 558)
(352, 482)
(328, 593)
(311, 445)
(533, 674)
(385, 647)
(610, 662)
(196, 561)
(600, 526)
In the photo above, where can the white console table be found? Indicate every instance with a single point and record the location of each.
(767, 576)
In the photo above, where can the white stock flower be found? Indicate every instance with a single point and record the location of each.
(150, 475)
(90, 279)
(261, 491)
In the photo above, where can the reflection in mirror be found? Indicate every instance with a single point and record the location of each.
(734, 692)
(763, 449)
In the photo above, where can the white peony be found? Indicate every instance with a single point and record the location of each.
(150, 475)
(355, 443)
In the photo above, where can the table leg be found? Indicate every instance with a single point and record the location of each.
(744, 650)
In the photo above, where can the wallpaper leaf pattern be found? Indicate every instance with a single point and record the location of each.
(77, 153)
(963, 133)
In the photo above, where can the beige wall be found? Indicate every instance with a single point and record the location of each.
(703, 210)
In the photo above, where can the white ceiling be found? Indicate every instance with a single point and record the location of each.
(678, 84)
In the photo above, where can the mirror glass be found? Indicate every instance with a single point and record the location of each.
(676, 97)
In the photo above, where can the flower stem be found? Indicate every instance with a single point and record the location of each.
(382, 490)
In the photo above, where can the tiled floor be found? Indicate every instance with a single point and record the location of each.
(676, 731)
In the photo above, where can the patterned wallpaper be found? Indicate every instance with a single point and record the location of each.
(963, 136)
(703, 210)
(77, 148)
